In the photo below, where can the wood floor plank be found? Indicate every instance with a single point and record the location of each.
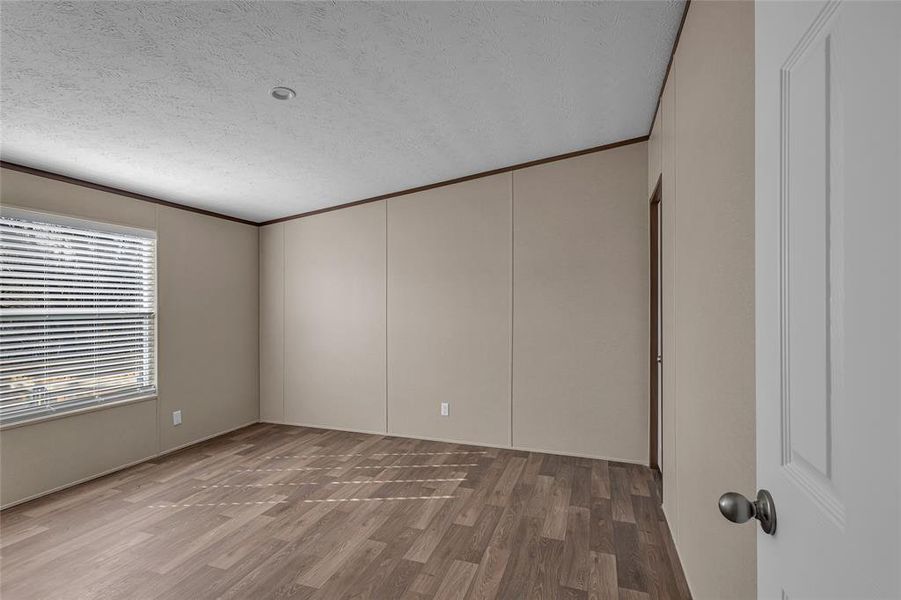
(661, 582)
(627, 594)
(540, 499)
(488, 577)
(428, 510)
(557, 514)
(574, 573)
(388, 568)
(675, 565)
(603, 583)
(455, 584)
(621, 494)
(646, 519)
(600, 479)
(398, 580)
(339, 585)
(213, 536)
(500, 495)
(423, 547)
(630, 570)
(475, 543)
(238, 547)
(507, 525)
(581, 487)
(334, 559)
(565, 593)
(22, 534)
(546, 573)
(601, 529)
(640, 480)
(278, 512)
(523, 562)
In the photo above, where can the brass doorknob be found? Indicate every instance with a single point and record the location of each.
(739, 509)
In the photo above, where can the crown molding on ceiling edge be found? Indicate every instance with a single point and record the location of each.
(439, 184)
(113, 190)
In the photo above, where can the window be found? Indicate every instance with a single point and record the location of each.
(77, 314)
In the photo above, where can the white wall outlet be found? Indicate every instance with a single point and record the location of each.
(176, 417)
(445, 409)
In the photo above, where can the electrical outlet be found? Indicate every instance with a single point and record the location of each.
(445, 409)
(176, 417)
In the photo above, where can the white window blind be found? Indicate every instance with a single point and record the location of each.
(77, 316)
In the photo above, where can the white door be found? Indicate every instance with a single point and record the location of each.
(828, 202)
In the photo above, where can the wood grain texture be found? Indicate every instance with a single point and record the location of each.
(274, 511)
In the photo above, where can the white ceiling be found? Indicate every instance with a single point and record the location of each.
(170, 99)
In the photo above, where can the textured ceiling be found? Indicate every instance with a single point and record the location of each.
(170, 99)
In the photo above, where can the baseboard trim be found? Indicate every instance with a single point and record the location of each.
(628, 461)
(669, 519)
(125, 466)
(310, 426)
(465, 442)
(77, 482)
(206, 439)
(327, 427)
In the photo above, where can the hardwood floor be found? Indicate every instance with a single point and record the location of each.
(274, 511)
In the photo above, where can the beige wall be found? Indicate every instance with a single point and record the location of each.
(449, 311)
(208, 325)
(272, 323)
(45, 456)
(654, 152)
(207, 345)
(704, 138)
(580, 334)
(667, 149)
(334, 278)
(447, 262)
(320, 338)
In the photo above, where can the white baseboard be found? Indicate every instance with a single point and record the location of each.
(121, 467)
(466, 442)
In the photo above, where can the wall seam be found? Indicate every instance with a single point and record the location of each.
(674, 277)
(512, 274)
(675, 394)
(156, 324)
(284, 278)
(386, 316)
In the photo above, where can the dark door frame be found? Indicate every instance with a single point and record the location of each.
(655, 350)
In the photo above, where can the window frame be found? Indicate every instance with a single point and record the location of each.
(115, 400)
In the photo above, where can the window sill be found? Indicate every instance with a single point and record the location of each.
(73, 413)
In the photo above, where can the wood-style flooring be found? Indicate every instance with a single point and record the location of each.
(274, 511)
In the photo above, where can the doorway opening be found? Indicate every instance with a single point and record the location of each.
(655, 437)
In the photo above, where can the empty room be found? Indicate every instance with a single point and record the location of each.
(580, 300)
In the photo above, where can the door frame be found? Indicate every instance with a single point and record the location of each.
(655, 344)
